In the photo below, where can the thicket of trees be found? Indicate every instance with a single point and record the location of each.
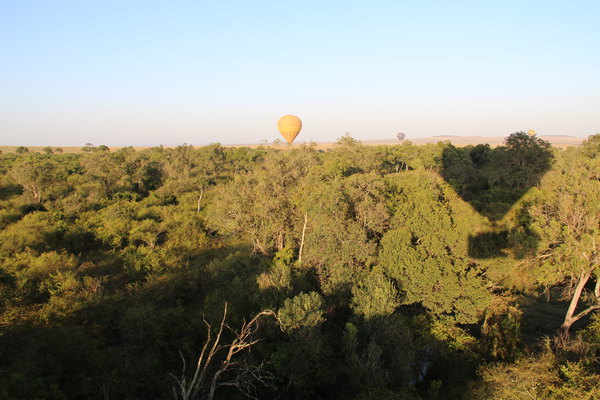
(363, 272)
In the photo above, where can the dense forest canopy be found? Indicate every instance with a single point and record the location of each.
(362, 272)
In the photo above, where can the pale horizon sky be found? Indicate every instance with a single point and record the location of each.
(149, 72)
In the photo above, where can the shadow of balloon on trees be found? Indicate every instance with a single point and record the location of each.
(492, 180)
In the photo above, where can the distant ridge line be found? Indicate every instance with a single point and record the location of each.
(556, 140)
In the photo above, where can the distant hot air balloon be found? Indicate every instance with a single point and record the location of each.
(289, 126)
(531, 132)
(400, 136)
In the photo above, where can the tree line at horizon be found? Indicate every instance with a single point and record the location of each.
(361, 272)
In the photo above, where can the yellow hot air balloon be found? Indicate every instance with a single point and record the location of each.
(531, 132)
(289, 126)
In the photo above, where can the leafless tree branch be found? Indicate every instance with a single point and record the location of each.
(243, 376)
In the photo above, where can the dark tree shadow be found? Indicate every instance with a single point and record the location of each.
(492, 180)
(10, 190)
(488, 244)
(120, 334)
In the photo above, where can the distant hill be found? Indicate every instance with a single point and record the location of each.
(556, 140)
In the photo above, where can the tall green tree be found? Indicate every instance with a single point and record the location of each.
(426, 250)
(36, 174)
(259, 205)
(521, 162)
(105, 168)
(566, 219)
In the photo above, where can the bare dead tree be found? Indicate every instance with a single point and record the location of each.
(244, 376)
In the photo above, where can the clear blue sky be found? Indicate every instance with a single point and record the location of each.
(168, 72)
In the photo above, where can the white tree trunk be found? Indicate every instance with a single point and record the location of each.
(569, 317)
(302, 240)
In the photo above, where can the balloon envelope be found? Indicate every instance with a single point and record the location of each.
(400, 136)
(531, 132)
(289, 126)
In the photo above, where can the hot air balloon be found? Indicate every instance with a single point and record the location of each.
(400, 136)
(289, 126)
(531, 132)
